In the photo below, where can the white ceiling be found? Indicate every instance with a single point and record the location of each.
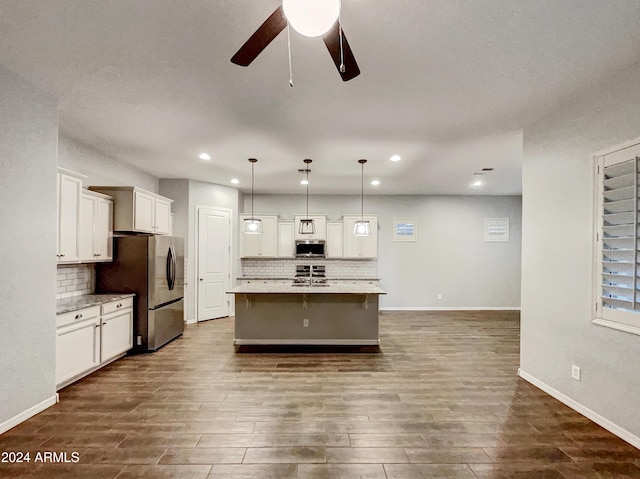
(447, 84)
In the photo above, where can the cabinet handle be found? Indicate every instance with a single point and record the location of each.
(62, 255)
(119, 305)
(79, 316)
(97, 326)
(201, 279)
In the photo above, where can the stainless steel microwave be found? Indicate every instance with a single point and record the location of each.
(310, 248)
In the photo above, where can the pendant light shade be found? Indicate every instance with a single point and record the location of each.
(362, 227)
(252, 226)
(307, 226)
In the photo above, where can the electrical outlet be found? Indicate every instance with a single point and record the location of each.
(575, 372)
(305, 323)
(439, 296)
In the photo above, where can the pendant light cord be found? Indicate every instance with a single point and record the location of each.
(289, 48)
(362, 195)
(252, 165)
(307, 191)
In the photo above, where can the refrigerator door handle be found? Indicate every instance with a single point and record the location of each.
(175, 267)
(169, 268)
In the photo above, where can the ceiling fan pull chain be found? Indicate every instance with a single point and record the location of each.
(342, 68)
(289, 48)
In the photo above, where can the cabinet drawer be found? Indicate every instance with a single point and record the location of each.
(79, 315)
(117, 305)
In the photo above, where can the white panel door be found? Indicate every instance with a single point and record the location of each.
(214, 255)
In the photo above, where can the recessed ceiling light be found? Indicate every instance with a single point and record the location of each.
(304, 182)
(235, 181)
(477, 183)
(204, 156)
(395, 158)
(375, 182)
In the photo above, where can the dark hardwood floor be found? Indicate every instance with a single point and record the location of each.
(441, 400)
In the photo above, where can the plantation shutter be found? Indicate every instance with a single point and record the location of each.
(619, 290)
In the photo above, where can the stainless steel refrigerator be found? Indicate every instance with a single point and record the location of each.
(152, 267)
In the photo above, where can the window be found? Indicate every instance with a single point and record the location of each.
(405, 229)
(496, 230)
(617, 282)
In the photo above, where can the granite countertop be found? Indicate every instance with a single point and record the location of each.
(279, 288)
(290, 278)
(74, 303)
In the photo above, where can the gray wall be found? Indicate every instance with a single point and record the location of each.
(100, 169)
(28, 148)
(450, 257)
(187, 196)
(557, 249)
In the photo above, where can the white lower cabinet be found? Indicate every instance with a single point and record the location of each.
(89, 338)
(116, 333)
(77, 349)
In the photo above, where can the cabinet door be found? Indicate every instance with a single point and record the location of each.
(264, 245)
(334, 240)
(369, 248)
(69, 192)
(286, 242)
(360, 246)
(117, 334)
(250, 245)
(269, 237)
(77, 349)
(144, 212)
(86, 228)
(162, 221)
(103, 230)
(320, 223)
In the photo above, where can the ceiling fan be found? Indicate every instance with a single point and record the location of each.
(298, 13)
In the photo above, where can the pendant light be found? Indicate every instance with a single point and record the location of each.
(252, 226)
(307, 227)
(362, 227)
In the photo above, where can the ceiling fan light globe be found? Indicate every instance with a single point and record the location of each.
(311, 18)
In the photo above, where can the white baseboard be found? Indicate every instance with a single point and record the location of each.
(306, 342)
(32, 411)
(585, 411)
(450, 308)
(191, 321)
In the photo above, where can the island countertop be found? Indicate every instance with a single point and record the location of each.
(288, 288)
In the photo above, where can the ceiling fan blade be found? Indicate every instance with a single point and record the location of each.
(261, 38)
(332, 41)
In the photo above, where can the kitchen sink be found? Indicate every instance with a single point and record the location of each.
(307, 285)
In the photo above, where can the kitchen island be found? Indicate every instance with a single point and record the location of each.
(277, 313)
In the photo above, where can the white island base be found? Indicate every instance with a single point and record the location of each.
(285, 315)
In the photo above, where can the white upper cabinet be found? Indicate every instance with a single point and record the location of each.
(69, 193)
(320, 223)
(137, 210)
(333, 246)
(360, 247)
(286, 241)
(263, 245)
(96, 227)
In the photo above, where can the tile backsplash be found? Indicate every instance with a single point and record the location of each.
(286, 268)
(75, 279)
